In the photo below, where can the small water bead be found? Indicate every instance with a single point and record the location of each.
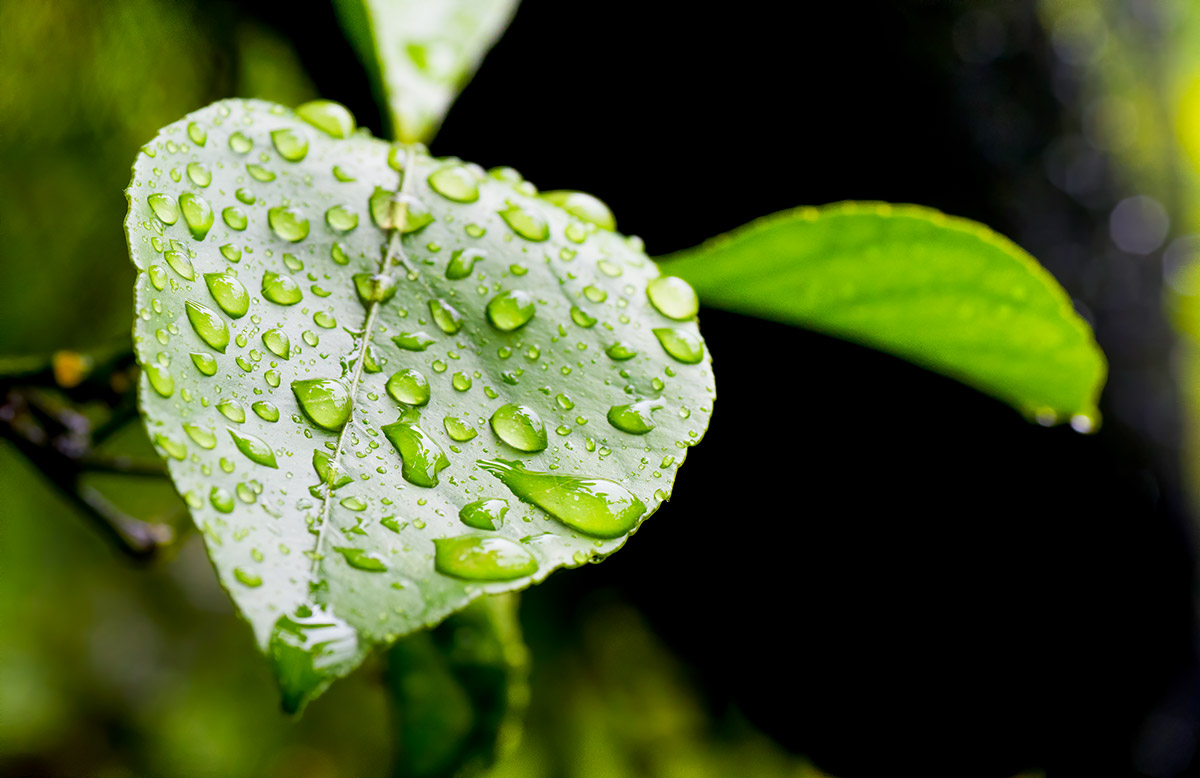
(260, 173)
(374, 288)
(235, 218)
(510, 310)
(621, 351)
(520, 427)
(612, 270)
(474, 558)
(288, 223)
(598, 507)
(461, 263)
(245, 196)
(527, 223)
(208, 324)
(343, 175)
(422, 458)
(455, 182)
(578, 231)
(255, 449)
(197, 133)
(484, 514)
(292, 144)
(281, 290)
(205, 363)
(240, 143)
(353, 504)
(266, 411)
(338, 254)
(413, 341)
(681, 344)
(164, 208)
(232, 410)
(409, 387)
(310, 338)
(445, 316)
(595, 293)
(277, 342)
(331, 118)
(459, 430)
(583, 206)
(229, 293)
(369, 561)
(252, 580)
(221, 499)
(324, 319)
(203, 438)
(341, 218)
(564, 401)
(293, 263)
(461, 382)
(231, 252)
(325, 401)
(198, 174)
(197, 213)
(634, 418)
(475, 231)
(247, 495)
(673, 297)
(582, 317)
(180, 263)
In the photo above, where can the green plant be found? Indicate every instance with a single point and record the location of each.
(346, 345)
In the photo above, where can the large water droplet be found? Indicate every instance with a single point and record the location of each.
(198, 174)
(673, 297)
(255, 449)
(455, 182)
(398, 211)
(197, 213)
(281, 290)
(374, 287)
(288, 223)
(266, 411)
(292, 144)
(208, 324)
(461, 263)
(621, 351)
(510, 310)
(682, 345)
(341, 218)
(413, 341)
(200, 436)
(232, 410)
(229, 293)
(482, 559)
(409, 387)
(276, 341)
(221, 499)
(205, 363)
(520, 427)
(308, 650)
(445, 316)
(527, 223)
(459, 430)
(235, 218)
(328, 117)
(197, 133)
(484, 514)
(329, 471)
(370, 561)
(164, 208)
(583, 206)
(181, 264)
(422, 457)
(634, 418)
(325, 401)
(596, 506)
(240, 143)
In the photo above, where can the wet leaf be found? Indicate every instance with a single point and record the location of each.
(330, 398)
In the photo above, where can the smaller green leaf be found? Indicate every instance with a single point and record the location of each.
(420, 54)
(942, 292)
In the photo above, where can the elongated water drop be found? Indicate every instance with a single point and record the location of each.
(510, 310)
(235, 218)
(583, 206)
(229, 293)
(255, 449)
(413, 341)
(200, 436)
(329, 117)
(682, 345)
(484, 514)
(461, 263)
(160, 379)
(325, 401)
(260, 174)
(520, 427)
(408, 386)
(198, 174)
(370, 561)
(329, 471)
(197, 133)
(288, 223)
(374, 287)
(526, 222)
(309, 648)
(598, 507)
(197, 213)
(455, 182)
(276, 341)
(266, 411)
(205, 363)
(232, 410)
(474, 558)
(634, 418)
(621, 351)
(673, 297)
(422, 457)
(208, 324)
(281, 290)
(181, 264)
(459, 430)
(445, 316)
(164, 208)
(292, 144)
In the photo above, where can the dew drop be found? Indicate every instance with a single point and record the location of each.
(369, 561)
(458, 430)
(203, 438)
(205, 363)
(461, 263)
(510, 310)
(198, 174)
(474, 558)
(596, 506)
(266, 411)
(331, 118)
(341, 218)
(325, 401)
(292, 144)
(673, 297)
(288, 223)
(413, 341)
(422, 457)
(235, 218)
(520, 427)
(255, 449)
(634, 418)
(682, 345)
(583, 206)
(445, 316)
(527, 223)
(197, 213)
(229, 293)
(455, 182)
(281, 290)
(240, 143)
(409, 387)
(164, 208)
(208, 324)
(232, 410)
(276, 341)
(484, 514)
(181, 264)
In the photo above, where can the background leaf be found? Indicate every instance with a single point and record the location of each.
(324, 389)
(420, 54)
(945, 293)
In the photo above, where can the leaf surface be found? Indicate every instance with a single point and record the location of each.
(946, 293)
(373, 426)
(421, 54)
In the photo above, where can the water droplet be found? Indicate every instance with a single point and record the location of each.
(409, 387)
(197, 133)
(595, 293)
(235, 218)
(231, 252)
(276, 341)
(343, 175)
(201, 437)
(245, 196)
(180, 263)
(173, 448)
(197, 213)
(398, 211)
(527, 223)
(482, 559)
(329, 117)
(309, 649)
(221, 499)
(621, 351)
(240, 143)
(271, 377)
(413, 341)
(266, 411)
(281, 290)
(341, 218)
(583, 206)
(229, 293)
(260, 173)
(458, 430)
(198, 174)
(520, 427)
(682, 345)
(510, 310)
(422, 457)
(461, 382)
(582, 317)
(338, 254)
(293, 263)
(634, 418)
(164, 208)
(447, 319)
(325, 401)
(158, 277)
(232, 410)
(374, 288)
(324, 319)
(353, 504)
(255, 449)
(673, 297)
(208, 324)
(292, 144)
(484, 514)
(288, 223)
(370, 561)
(461, 263)
(596, 506)
(455, 182)
(205, 363)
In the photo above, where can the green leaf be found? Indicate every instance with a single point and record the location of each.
(421, 54)
(943, 292)
(330, 395)
(460, 691)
